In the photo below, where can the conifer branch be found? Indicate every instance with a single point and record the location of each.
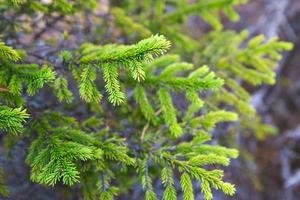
(11, 120)
(109, 58)
(204, 7)
(6, 52)
(124, 55)
(152, 131)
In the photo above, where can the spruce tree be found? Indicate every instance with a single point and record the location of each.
(130, 107)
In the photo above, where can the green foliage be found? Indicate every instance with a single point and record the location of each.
(187, 187)
(196, 81)
(67, 151)
(3, 189)
(8, 53)
(169, 67)
(167, 110)
(84, 151)
(110, 58)
(225, 52)
(11, 120)
(253, 64)
(146, 180)
(62, 6)
(62, 91)
(209, 10)
(17, 74)
(196, 155)
(87, 88)
(13, 76)
(169, 184)
(128, 25)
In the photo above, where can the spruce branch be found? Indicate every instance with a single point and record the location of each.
(169, 113)
(127, 24)
(109, 59)
(110, 75)
(169, 184)
(187, 187)
(87, 88)
(125, 55)
(205, 9)
(7, 52)
(12, 119)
